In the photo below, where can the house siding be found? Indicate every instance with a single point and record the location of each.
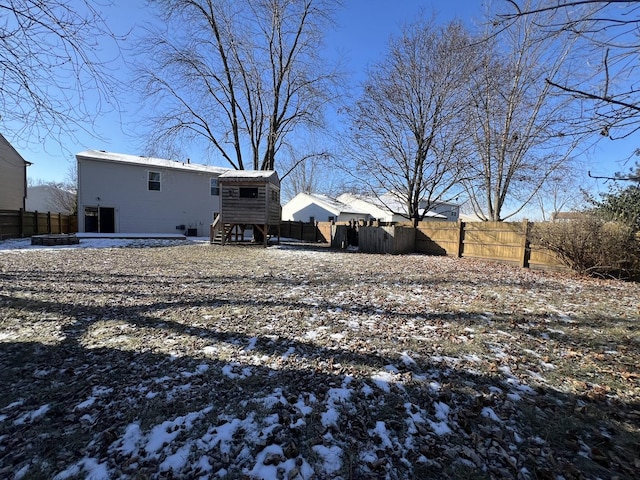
(304, 213)
(184, 197)
(13, 177)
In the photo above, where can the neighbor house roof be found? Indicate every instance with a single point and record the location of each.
(386, 205)
(103, 156)
(332, 205)
(4, 144)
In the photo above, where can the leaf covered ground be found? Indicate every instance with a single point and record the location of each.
(189, 360)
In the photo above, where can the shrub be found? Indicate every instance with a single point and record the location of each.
(592, 246)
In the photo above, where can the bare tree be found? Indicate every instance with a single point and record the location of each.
(561, 192)
(521, 132)
(608, 33)
(308, 173)
(238, 75)
(408, 125)
(58, 196)
(50, 56)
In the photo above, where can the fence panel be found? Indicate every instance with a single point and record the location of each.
(501, 241)
(393, 239)
(307, 232)
(9, 224)
(20, 224)
(543, 259)
(439, 238)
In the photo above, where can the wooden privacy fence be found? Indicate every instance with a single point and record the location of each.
(388, 239)
(496, 241)
(20, 223)
(306, 231)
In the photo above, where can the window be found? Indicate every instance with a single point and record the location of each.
(332, 218)
(215, 189)
(248, 192)
(312, 219)
(154, 181)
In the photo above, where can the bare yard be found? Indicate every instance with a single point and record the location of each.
(198, 361)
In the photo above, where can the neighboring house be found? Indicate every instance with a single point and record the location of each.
(313, 207)
(388, 208)
(127, 193)
(450, 210)
(49, 198)
(567, 216)
(13, 177)
(470, 217)
(307, 207)
(373, 207)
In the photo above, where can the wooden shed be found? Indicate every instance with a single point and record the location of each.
(247, 197)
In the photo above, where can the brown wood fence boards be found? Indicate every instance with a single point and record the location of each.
(439, 238)
(307, 232)
(394, 240)
(542, 259)
(503, 241)
(20, 224)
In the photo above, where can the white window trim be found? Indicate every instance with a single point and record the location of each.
(211, 187)
(159, 181)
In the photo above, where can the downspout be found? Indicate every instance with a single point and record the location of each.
(24, 196)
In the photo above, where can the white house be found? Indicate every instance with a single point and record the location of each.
(50, 198)
(449, 210)
(306, 207)
(310, 207)
(13, 177)
(389, 208)
(374, 208)
(126, 193)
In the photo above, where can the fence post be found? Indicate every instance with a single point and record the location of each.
(59, 222)
(526, 251)
(49, 223)
(460, 239)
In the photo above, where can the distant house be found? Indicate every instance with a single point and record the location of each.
(13, 177)
(127, 193)
(388, 208)
(307, 207)
(449, 210)
(373, 207)
(567, 216)
(310, 207)
(50, 198)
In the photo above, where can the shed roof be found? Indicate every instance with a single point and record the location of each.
(251, 175)
(103, 156)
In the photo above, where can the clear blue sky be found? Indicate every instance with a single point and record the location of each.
(362, 33)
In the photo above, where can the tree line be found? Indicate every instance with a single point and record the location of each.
(498, 115)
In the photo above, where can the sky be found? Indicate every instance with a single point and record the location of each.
(361, 36)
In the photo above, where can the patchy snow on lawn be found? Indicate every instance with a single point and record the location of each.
(146, 358)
